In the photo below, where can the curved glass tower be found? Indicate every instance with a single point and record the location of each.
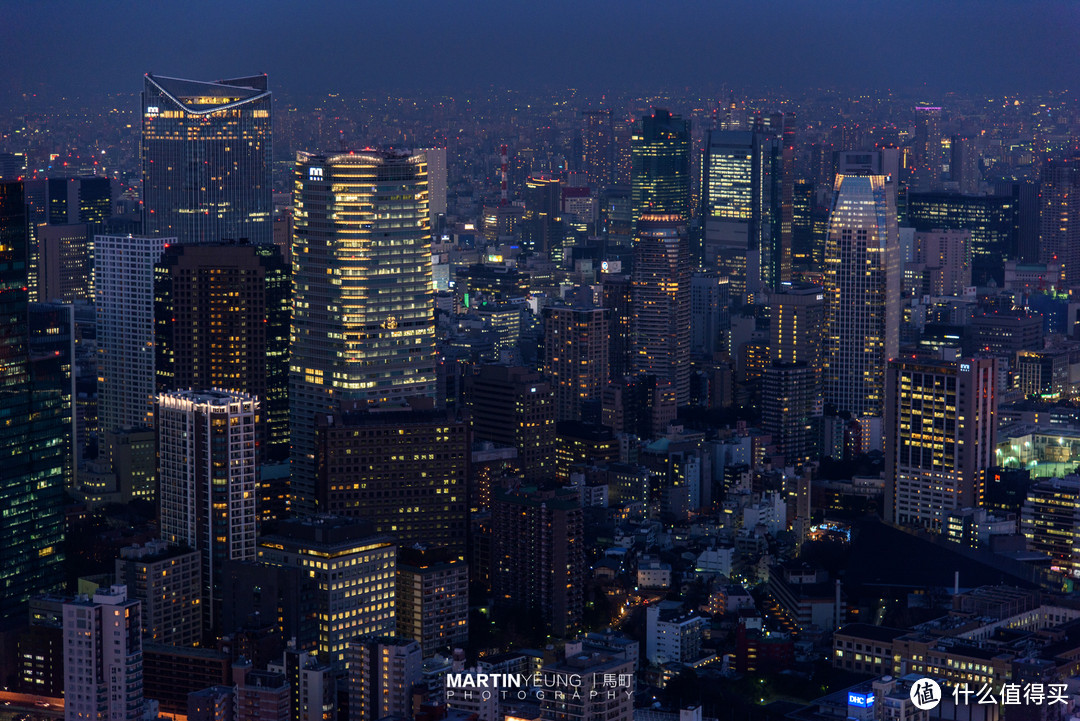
(363, 329)
(862, 294)
(206, 159)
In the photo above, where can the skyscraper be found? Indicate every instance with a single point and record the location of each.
(598, 146)
(363, 305)
(206, 157)
(124, 286)
(660, 166)
(351, 569)
(538, 557)
(221, 316)
(401, 469)
(383, 671)
(1059, 217)
(576, 350)
(927, 147)
(206, 482)
(747, 211)
(541, 226)
(862, 293)
(661, 302)
(103, 658)
(32, 433)
(513, 406)
(940, 434)
(432, 598)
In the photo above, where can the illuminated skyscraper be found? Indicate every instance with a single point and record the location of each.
(541, 226)
(940, 430)
(206, 156)
(207, 481)
(747, 203)
(351, 570)
(576, 351)
(661, 302)
(1059, 221)
(927, 147)
(32, 433)
(363, 305)
(598, 146)
(660, 166)
(862, 293)
(222, 321)
(124, 288)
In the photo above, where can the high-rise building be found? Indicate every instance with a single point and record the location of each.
(51, 329)
(940, 435)
(661, 302)
(167, 580)
(642, 405)
(789, 402)
(124, 295)
(221, 316)
(538, 557)
(103, 658)
(353, 573)
(206, 159)
(363, 326)
(964, 164)
(598, 147)
(741, 209)
(1059, 217)
(207, 482)
(312, 686)
(432, 598)
(927, 147)
(709, 316)
(941, 263)
(399, 468)
(576, 351)
(383, 671)
(660, 172)
(862, 294)
(617, 297)
(541, 226)
(514, 406)
(64, 263)
(32, 433)
(437, 180)
(993, 221)
(798, 317)
(1050, 519)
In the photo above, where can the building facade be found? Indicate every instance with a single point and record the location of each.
(206, 159)
(940, 437)
(207, 482)
(661, 302)
(221, 319)
(862, 293)
(363, 326)
(124, 295)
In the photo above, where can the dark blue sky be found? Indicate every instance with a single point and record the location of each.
(63, 47)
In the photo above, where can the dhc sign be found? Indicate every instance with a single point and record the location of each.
(862, 700)
(315, 173)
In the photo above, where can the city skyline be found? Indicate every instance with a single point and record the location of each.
(936, 47)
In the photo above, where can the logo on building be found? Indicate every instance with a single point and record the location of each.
(315, 173)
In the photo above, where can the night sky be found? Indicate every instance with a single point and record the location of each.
(59, 48)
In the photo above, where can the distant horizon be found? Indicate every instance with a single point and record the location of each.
(62, 48)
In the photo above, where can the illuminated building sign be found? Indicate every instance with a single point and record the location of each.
(152, 110)
(862, 700)
(315, 173)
